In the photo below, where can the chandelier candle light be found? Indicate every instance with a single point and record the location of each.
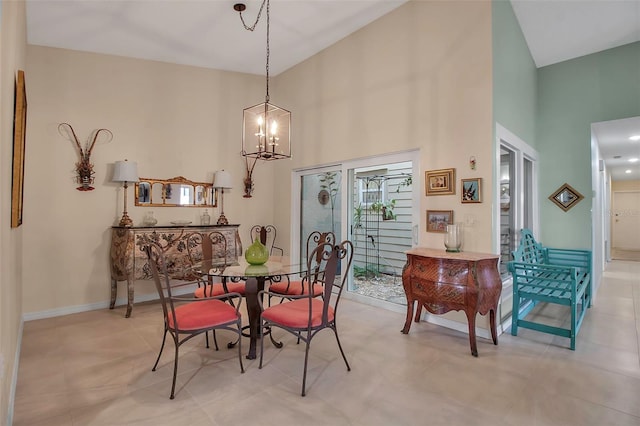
(222, 181)
(125, 171)
(266, 128)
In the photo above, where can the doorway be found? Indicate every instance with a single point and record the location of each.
(625, 226)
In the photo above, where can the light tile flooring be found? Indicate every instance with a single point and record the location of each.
(94, 368)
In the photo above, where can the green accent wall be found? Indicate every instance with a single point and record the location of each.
(572, 95)
(514, 75)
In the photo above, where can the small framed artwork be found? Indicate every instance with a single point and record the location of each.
(471, 190)
(19, 127)
(437, 220)
(566, 197)
(440, 182)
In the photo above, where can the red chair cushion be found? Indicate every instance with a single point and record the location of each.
(295, 314)
(217, 289)
(205, 314)
(294, 288)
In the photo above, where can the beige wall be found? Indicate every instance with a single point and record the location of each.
(419, 77)
(13, 42)
(625, 185)
(173, 120)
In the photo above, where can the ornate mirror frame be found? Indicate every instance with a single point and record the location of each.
(175, 192)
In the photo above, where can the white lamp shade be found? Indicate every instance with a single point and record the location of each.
(222, 179)
(125, 171)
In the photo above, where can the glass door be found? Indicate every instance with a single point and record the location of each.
(320, 204)
(373, 202)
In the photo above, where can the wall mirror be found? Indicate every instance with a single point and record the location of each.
(175, 192)
(566, 197)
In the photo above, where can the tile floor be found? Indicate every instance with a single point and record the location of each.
(94, 368)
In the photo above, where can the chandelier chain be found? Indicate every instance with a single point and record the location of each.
(268, 52)
(253, 27)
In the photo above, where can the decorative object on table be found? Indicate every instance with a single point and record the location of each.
(437, 220)
(472, 162)
(149, 219)
(125, 171)
(181, 222)
(453, 238)
(257, 253)
(19, 132)
(440, 182)
(222, 181)
(266, 128)
(205, 219)
(566, 197)
(84, 167)
(471, 190)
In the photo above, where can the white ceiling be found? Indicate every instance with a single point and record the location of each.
(617, 149)
(209, 33)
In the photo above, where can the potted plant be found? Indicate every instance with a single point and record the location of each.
(386, 208)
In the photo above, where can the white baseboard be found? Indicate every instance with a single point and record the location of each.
(430, 318)
(121, 301)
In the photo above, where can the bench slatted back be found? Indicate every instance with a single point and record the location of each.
(529, 250)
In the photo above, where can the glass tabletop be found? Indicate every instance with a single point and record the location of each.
(275, 266)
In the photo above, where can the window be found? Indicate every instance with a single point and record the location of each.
(371, 188)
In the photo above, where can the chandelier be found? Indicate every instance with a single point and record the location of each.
(266, 128)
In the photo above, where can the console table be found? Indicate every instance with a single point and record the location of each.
(129, 261)
(442, 282)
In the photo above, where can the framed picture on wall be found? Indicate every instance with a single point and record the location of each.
(440, 182)
(471, 190)
(19, 127)
(437, 220)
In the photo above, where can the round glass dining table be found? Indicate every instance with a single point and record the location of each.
(275, 269)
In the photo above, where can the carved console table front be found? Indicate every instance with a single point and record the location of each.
(442, 282)
(129, 261)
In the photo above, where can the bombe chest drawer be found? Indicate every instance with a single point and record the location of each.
(443, 282)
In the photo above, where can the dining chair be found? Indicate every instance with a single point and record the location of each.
(212, 246)
(304, 315)
(287, 287)
(267, 236)
(186, 317)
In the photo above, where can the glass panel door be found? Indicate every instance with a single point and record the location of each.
(320, 205)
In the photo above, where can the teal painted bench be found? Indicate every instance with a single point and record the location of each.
(543, 274)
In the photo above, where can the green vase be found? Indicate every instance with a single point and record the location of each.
(257, 253)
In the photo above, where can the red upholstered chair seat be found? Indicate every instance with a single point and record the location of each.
(217, 289)
(202, 315)
(293, 288)
(295, 314)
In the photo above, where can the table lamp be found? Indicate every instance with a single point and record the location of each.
(222, 180)
(125, 171)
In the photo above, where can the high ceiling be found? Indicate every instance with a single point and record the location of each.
(209, 33)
